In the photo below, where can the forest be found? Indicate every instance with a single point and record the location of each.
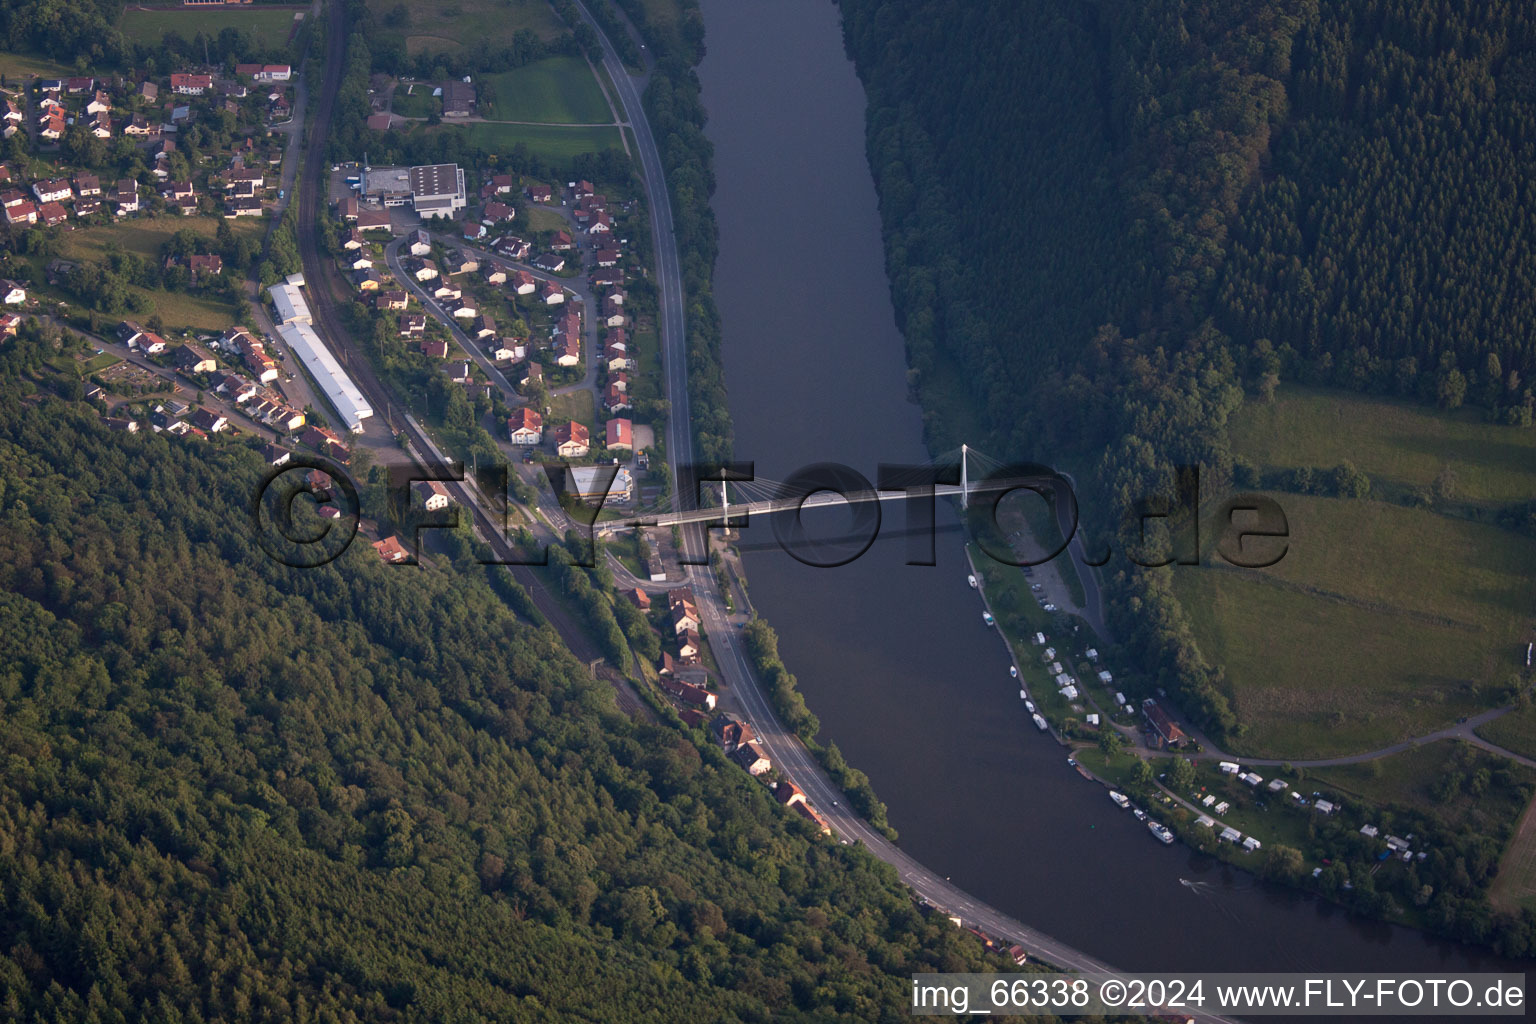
(1199, 202)
(239, 790)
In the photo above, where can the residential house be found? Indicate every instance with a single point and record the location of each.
(432, 494)
(191, 85)
(53, 190)
(126, 196)
(242, 207)
(149, 91)
(573, 440)
(483, 327)
(552, 294)
(79, 86)
(461, 371)
(394, 300)
(87, 185)
(421, 270)
(412, 323)
(525, 427)
(616, 398)
(211, 264)
(533, 373)
(419, 243)
(507, 350)
(513, 248)
(11, 293)
(101, 127)
(539, 193)
(21, 213)
(435, 349)
(9, 323)
(750, 757)
(53, 126)
(731, 732)
(688, 693)
(568, 350)
(473, 232)
(495, 213)
(210, 420)
(562, 242)
(193, 358)
(550, 263)
(1161, 728)
(391, 550)
(150, 343)
(493, 272)
(459, 262)
(606, 257)
(523, 283)
(445, 290)
(52, 214)
(502, 183)
(138, 127)
(353, 241)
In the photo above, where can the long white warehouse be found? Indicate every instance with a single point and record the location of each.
(289, 304)
(333, 380)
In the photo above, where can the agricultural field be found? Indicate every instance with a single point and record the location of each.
(1380, 623)
(1389, 440)
(270, 27)
(559, 90)
(443, 26)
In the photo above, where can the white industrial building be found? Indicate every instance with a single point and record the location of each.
(289, 305)
(333, 380)
(293, 326)
(437, 190)
(433, 190)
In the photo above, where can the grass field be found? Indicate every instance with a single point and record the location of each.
(556, 89)
(442, 26)
(20, 65)
(1379, 624)
(554, 142)
(540, 219)
(578, 406)
(145, 236)
(1389, 439)
(414, 100)
(271, 28)
(1515, 731)
(1407, 779)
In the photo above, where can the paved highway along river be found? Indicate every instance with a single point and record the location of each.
(894, 659)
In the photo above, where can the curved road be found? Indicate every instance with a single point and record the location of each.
(782, 746)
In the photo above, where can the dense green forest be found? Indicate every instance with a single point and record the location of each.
(235, 790)
(1111, 224)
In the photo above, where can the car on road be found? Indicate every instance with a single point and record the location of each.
(1049, 607)
(1036, 587)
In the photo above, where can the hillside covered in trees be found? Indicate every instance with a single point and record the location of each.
(1109, 222)
(235, 790)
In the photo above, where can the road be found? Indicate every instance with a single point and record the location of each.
(783, 747)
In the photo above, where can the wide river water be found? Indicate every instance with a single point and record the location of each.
(893, 658)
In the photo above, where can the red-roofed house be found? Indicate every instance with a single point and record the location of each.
(621, 435)
(191, 85)
(525, 427)
(573, 440)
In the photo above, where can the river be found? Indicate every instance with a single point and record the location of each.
(894, 658)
